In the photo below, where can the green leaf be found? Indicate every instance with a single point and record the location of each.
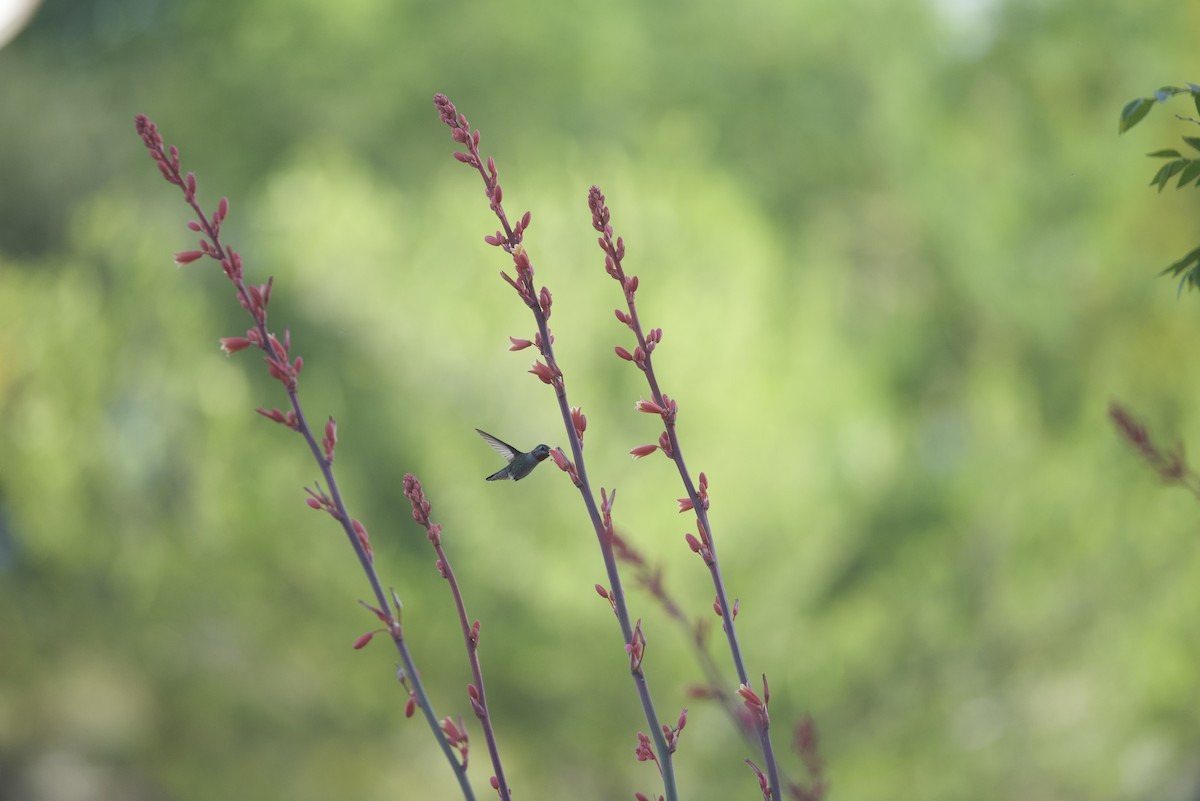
(1165, 154)
(1194, 141)
(1184, 263)
(1196, 98)
(1167, 172)
(1134, 111)
(1189, 173)
(1165, 92)
(1192, 279)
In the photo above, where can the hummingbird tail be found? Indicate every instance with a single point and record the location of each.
(499, 475)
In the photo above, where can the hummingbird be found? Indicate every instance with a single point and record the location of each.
(519, 464)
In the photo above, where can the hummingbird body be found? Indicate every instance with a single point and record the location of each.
(519, 464)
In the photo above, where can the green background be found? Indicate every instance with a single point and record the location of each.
(902, 261)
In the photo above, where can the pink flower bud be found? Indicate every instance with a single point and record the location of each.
(579, 419)
(362, 641)
(749, 696)
(622, 316)
(329, 441)
(685, 505)
(187, 257)
(643, 450)
(649, 407)
(411, 706)
(603, 593)
(234, 344)
(543, 372)
(519, 344)
(624, 354)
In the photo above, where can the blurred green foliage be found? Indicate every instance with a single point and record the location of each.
(902, 262)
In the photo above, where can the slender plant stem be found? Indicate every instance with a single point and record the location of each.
(510, 239)
(643, 357)
(277, 357)
(412, 488)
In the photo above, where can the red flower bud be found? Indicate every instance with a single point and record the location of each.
(543, 372)
(234, 344)
(648, 406)
(643, 450)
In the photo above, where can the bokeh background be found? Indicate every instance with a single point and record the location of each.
(902, 260)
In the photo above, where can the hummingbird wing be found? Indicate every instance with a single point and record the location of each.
(503, 448)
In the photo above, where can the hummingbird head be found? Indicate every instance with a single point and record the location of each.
(541, 452)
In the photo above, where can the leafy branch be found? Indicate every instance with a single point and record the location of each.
(1187, 269)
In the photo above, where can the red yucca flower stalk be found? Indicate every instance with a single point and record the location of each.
(451, 736)
(511, 239)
